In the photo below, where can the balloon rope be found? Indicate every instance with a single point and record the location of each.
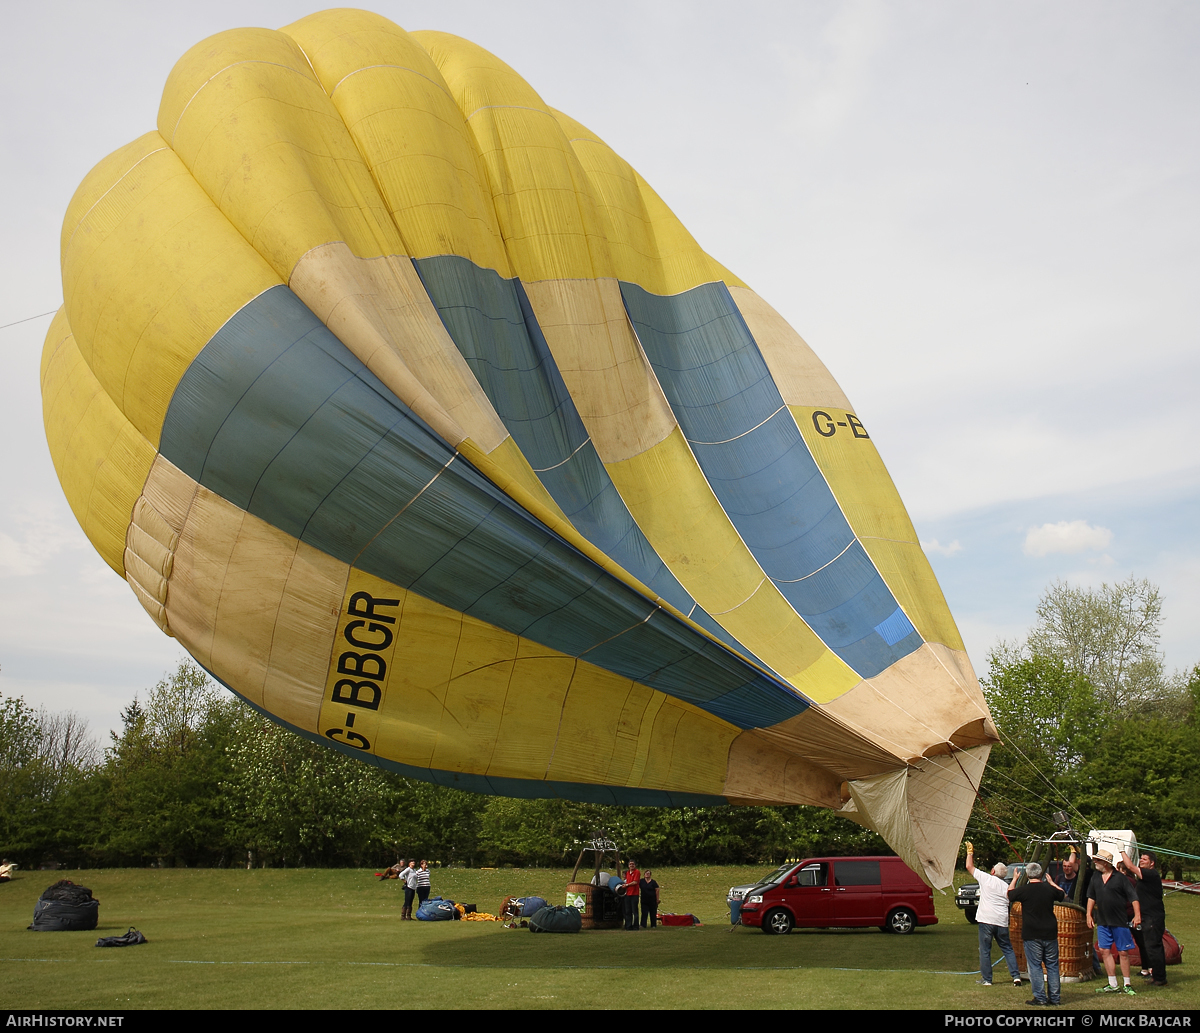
(28, 318)
(985, 807)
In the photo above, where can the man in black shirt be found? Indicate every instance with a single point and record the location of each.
(1154, 916)
(1039, 931)
(1108, 895)
(1065, 873)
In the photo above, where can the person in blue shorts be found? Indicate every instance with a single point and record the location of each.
(1109, 895)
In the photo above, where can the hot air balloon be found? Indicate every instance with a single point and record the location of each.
(413, 413)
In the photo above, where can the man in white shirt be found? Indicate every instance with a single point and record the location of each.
(409, 877)
(992, 917)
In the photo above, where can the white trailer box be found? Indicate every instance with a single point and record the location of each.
(1114, 841)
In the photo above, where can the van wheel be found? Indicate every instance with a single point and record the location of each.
(970, 913)
(778, 922)
(901, 921)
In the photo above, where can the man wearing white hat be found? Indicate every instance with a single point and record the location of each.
(1109, 895)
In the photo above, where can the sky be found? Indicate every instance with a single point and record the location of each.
(983, 218)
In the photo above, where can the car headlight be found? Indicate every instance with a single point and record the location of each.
(754, 900)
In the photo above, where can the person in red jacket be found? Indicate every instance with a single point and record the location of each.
(633, 880)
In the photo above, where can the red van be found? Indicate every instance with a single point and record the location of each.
(840, 892)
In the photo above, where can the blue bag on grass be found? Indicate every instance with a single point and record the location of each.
(437, 910)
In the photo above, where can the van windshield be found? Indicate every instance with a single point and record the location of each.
(814, 874)
(776, 877)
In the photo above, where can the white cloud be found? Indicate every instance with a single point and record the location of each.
(942, 550)
(1069, 536)
(39, 535)
(15, 559)
(831, 74)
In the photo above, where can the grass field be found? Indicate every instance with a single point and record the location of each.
(316, 938)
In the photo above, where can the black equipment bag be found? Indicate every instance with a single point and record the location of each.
(54, 916)
(65, 907)
(556, 920)
(127, 940)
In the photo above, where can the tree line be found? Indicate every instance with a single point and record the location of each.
(1091, 724)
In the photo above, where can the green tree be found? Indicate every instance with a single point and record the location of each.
(162, 777)
(1049, 715)
(549, 832)
(1050, 718)
(1110, 635)
(45, 761)
(296, 802)
(20, 734)
(544, 832)
(22, 778)
(1144, 774)
(424, 820)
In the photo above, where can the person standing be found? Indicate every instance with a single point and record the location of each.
(1154, 916)
(1066, 875)
(992, 918)
(409, 875)
(633, 880)
(422, 884)
(1039, 931)
(649, 896)
(1109, 893)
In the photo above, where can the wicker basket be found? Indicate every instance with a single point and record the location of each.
(1075, 948)
(598, 911)
(1074, 943)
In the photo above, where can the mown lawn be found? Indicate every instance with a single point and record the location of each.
(314, 938)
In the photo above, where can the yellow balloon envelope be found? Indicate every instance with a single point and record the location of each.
(414, 414)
